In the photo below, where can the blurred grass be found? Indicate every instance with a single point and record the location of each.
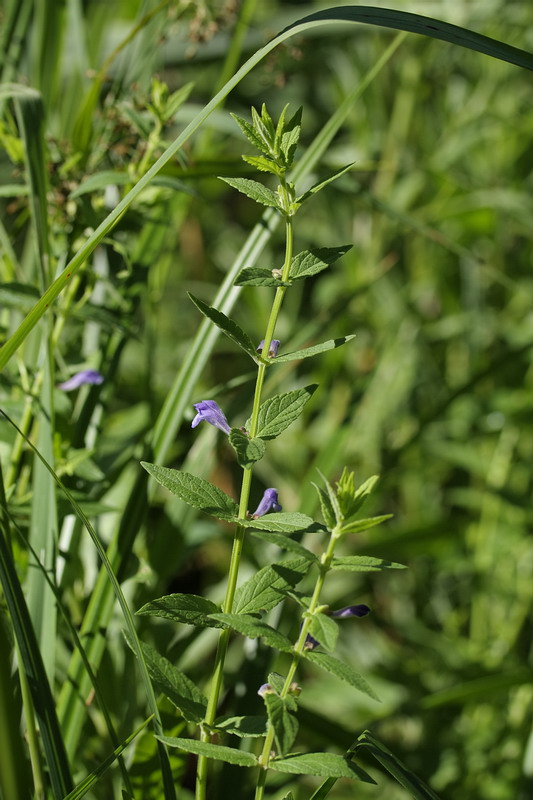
(434, 394)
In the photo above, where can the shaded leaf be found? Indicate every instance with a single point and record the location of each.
(277, 413)
(256, 276)
(363, 564)
(195, 491)
(411, 782)
(263, 591)
(254, 628)
(189, 609)
(341, 670)
(325, 630)
(248, 450)
(242, 726)
(227, 326)
(280, 522)
(286, 543)
(283, 723)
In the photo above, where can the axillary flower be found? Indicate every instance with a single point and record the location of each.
(209, 411)
(268, 503)
(272, 350)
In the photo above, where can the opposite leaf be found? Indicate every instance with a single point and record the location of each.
(216, 751)
(319, 186)
(256, 191)
(248, 450)
(283, 723)
(363, 564)
(256, 276)
(190, 609)
(358, 525)
(195, 491)
(325, 630)
(327, 765)
(277, 413)
(310, 262)
(264, 590)
(341, 670)
(227, 326)
(307, 352)
(255, 628)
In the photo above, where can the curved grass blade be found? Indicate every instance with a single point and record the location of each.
(87, 784)
(128, 616)
(386, 18)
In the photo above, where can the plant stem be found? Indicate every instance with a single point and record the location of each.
(324, 566)
(223, 641)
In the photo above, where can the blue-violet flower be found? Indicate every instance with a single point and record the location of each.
(266, 688)
(351, 611)
(272, 350)
(311, 643)
(209, 411)
(91, 376)
(268, 503)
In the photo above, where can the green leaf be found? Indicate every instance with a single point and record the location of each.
(264, 590)
(261, 163)
(256, 276)
(243, 727)
(285, 543)
(326, 507)
(318, 186)
(327, 765)
(227, 326)
(325, 630)
(179, 689)
(341, 670)
(363, 564)
(290, 137)
(307, 352)
(176, 100)
(186, 608)
(195, 491)
(332, 498)
(220, 753)
(280, 522)
(248, 450)
(414, 785)
(358, 525)
(249, 131)
(363, 492)
(253, 628)
(311, 262)
(277, 413)
(277, 681)
(256, 191)
(283, 723)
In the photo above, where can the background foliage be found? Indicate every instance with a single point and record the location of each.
(434, 394)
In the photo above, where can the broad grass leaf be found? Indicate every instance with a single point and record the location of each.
(364, 564)
(174, 684)
(307, 352)
(286, 543)
(277, 413)
(264, 590)
(216, 751)
(190, 609)
(227, 326)
(282, 721)
(327, 765)
(255, 628)
(311, 262)
(256, 191)
(416, 787)
(248, 450)
(341, 670)
(197, 492)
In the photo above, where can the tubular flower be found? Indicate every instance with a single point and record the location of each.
(351, 611)
(209, 411)
(268, 503)
(272, 350)
(311, 643)
(266, 688)
(91, 376)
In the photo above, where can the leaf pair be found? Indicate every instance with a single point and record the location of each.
(303, 265)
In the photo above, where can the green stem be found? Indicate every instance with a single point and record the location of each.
(223, 641)
(324, 566)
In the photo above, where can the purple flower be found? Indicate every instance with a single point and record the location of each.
(351, 611)
(311, 643)
(85, 376)
(209, 411)
(272, 350)
(266, 688)
(268, 503)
